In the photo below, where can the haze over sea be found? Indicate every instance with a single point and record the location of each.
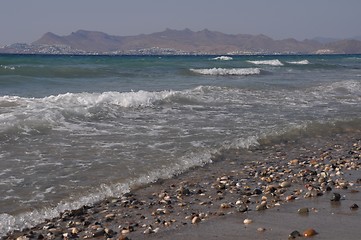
(77, 129)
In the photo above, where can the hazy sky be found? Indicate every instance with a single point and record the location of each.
(27, 20)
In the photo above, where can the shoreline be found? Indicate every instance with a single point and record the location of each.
(263, 184)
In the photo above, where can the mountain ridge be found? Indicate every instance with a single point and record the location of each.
(187, 41)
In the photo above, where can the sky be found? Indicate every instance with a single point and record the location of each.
(24, 21)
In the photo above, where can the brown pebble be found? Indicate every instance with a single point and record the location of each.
(309, 232)
(225, 205)
(303, 211)
(261, 206)
(290, 198)
(294, 162)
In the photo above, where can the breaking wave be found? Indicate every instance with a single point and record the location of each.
(7, 67)
(223, 58)
(227, 71)
(302, 62)
(274, 62)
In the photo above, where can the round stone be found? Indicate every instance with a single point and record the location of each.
(247, 221)
(294, 234)
(303, 211)
(335, 197)
(354, 206)
(309, 232)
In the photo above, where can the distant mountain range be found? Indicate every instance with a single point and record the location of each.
(180, 42)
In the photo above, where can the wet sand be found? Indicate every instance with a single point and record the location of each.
(267, 185)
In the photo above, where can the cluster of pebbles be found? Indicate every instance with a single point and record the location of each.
(236, 183)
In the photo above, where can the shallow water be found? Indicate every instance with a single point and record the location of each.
(76, 129)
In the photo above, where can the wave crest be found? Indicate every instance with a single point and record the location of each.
(122, 99)
(7, 67)
(223, 58)
(274, 62)
(302, 62)
(227, 71)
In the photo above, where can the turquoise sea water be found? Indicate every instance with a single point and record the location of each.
(77, 129)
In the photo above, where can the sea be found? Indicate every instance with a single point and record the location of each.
(75, 130)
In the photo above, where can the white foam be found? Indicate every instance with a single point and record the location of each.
(29, 219)
(7, 67)
(274, 62)
(41, 114)
(227, 71)
(223, 58)
(122, 99)
(302, 62)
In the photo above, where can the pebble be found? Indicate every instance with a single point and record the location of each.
(309, 232)
(354, 206)
(262, 206)
(294, 234)
(196, 220)
(303, 211)
(23, 238)
(285, 184)
(225, 205)
(109, 217)
(257, 191)
(335, 197)
(247, 221)
(294, 162)
(242, 208)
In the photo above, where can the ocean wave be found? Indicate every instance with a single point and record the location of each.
(121, 99)
(347, 92)
(274, 62)
(227, 71)
(68, 111)
(302, 62)
(223, 58)
(311, 129)
(7, 67)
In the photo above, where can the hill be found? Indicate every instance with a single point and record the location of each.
(181, 42)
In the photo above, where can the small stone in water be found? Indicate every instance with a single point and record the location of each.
(354, 206)
(335, 197)
(294, 235)
(309, 232)
(303, 211)
(247, 221)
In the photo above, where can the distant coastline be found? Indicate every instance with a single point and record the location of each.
(178, 42)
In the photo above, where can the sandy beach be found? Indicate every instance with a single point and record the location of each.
(278, 190)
